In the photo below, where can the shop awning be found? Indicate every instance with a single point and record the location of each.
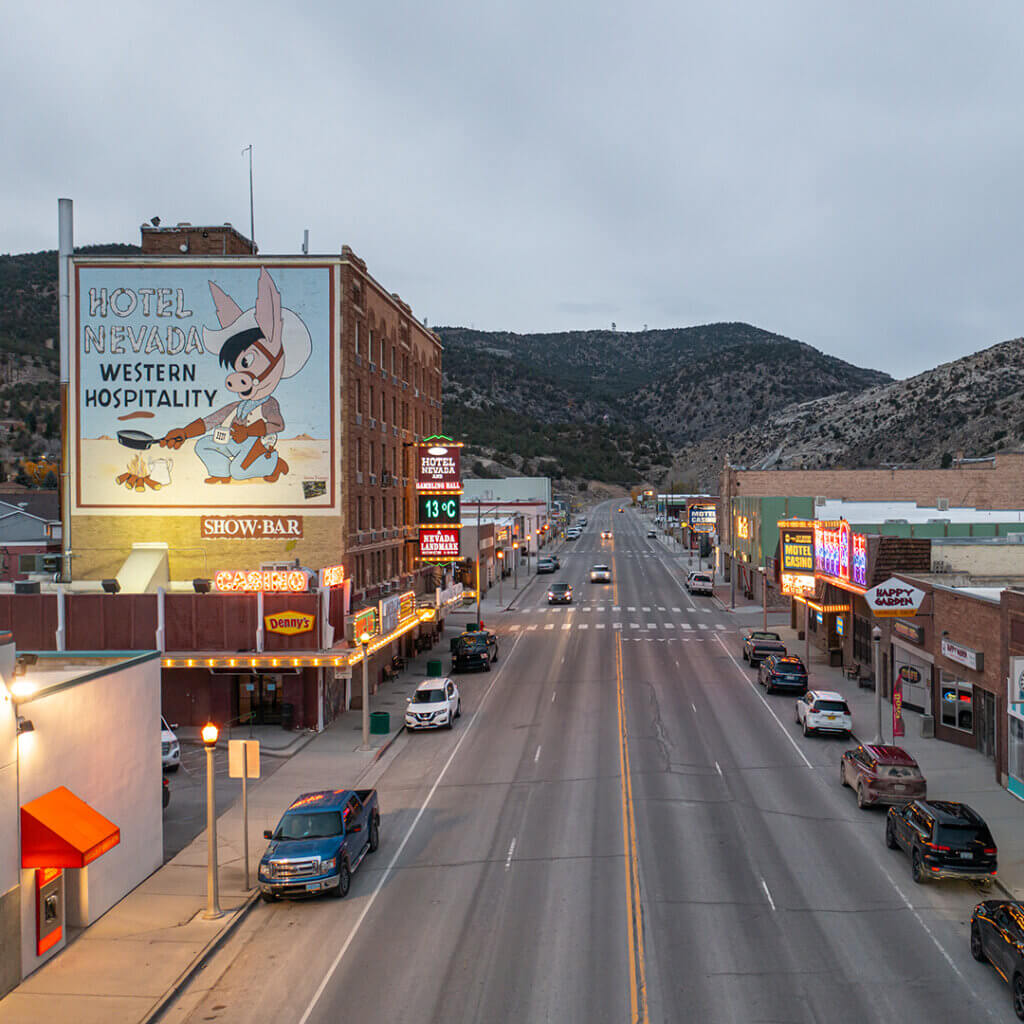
(59, 830)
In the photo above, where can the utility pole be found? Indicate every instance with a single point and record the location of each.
(876, 640)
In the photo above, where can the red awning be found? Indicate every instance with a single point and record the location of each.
(58, 830)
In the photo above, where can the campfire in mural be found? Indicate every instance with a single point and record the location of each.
(138, 476)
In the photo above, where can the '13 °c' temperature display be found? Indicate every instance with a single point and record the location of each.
(439, 509)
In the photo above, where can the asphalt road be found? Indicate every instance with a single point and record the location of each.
(621, 827)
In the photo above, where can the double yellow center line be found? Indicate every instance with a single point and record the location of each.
(634, 912)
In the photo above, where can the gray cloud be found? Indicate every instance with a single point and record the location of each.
(841, 173)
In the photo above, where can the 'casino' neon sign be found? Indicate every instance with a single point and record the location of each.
(252, 581)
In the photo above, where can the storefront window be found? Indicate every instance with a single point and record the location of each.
(957, 699)
(862, 640)
(1015, 755)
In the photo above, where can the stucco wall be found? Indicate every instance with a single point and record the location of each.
(101, 739)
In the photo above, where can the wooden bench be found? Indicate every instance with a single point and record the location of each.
(852, 671)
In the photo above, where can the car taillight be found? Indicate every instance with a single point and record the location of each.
(990, 850)
(935, 846)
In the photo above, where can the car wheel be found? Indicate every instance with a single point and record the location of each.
(977, 951)
(861, 802)
(1018, 996)
(916, 867)
(745, 658)
(172, 768)
(842, 774)
(807, 732)
(495, 658)
(374, 834)
(340, 891)
(890, 836)
(487, 667)
(268, 897)
(458, 709)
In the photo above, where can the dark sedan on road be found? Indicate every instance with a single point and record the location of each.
(560, 593)
(475, 650)
(882, 775)
(945, 839)
(997, 935)
(782, 672)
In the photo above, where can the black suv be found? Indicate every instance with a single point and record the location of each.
(997, 935)
(474, 650)
(945, 839)
(782, 672)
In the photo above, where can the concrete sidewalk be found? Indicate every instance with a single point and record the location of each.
(129, 965)
(953, 772)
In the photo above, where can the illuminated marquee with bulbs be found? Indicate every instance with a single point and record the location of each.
(270, 581)
(333, 575)
(840, 556)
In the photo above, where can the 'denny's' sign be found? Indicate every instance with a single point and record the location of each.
(288, 623)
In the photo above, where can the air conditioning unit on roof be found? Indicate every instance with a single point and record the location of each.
(819, 500)
(942, 504)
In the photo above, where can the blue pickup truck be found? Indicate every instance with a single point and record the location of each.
(321, 839)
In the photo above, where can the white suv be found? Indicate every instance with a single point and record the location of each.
(700, 583)
(600, 574)
(824, 711)
(435, 703)
(170, 750)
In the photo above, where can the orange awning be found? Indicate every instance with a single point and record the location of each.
(58, 830)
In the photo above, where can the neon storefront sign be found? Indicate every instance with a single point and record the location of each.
(252, 581)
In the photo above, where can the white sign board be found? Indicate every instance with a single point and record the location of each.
(243, 759)
(894, 598)
(963, 655)
(1015, 689)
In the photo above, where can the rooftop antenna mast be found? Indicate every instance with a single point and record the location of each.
(252, 225)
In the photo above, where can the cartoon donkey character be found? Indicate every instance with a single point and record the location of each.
(259, 348)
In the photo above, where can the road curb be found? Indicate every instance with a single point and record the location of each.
(382, 749)
(178, 985)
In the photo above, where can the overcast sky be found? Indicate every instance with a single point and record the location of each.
(844, 173)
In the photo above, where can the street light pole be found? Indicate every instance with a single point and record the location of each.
(515, 565)
(213, 910)
(478, 504)
(365, 641)
(764, 598)
(500, 555)
(876, 640)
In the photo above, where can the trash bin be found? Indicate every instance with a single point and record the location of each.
(435, 669)
(380, 723)
(287, 716)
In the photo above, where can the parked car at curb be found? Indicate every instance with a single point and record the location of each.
(997, 936)
(600, 574)
(546, 564)
(477, 649)
(759, 644)
(881, 774)
(560, 593)
(435, 704)
(319, 843)
(583, 520)
(652, 534)
(167, 791)
(824, 711)
(782, 672)
(944, 838)
(699, 583)
(170, 749)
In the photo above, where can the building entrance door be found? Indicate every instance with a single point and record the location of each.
(987, 723)
(259, 699)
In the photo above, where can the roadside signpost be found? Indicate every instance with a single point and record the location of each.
(244, 764)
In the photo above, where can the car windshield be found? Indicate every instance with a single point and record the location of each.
(599, 568)
(832, 705)
(471, 644)
(961, 835)
(897, 771)
(428, 696)
(309, 826)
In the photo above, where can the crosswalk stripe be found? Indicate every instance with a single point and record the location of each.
(630, 609)
(599, 625)
(584, 625)
(634, 625)
(566, 625)
(686, 625)
(660, 609)
(616, 625)
(646, 609)
(670, 625)
(677, 609)
(513, 627)
(616, 608)
(719, 625)
(550, 625)
(702, 625)
(652, 625)
(532, 625)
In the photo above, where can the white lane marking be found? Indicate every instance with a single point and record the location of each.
(599, 625)
(652, 625)
(677, 664)
(767, 892)
(686, 625)
(701, 625)
(670, 625)
(722, 626)
(511, 851)
(645, 609)
(513, 627)
(586, 608)
(402, 845)
(660, 609)
(566, 625)
(630, 609)
(550, 625)
(553, 693)
(760, 697)
(584, 625)
(536, 757)
(694, 706)
(616, 608)
(718, 768)
(634, 625)
(533, 625)
(677, 609)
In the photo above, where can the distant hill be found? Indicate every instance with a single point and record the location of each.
(970, 405)
(612, 404)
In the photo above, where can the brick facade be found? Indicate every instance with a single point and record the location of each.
(198, 240)
(995, 484)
